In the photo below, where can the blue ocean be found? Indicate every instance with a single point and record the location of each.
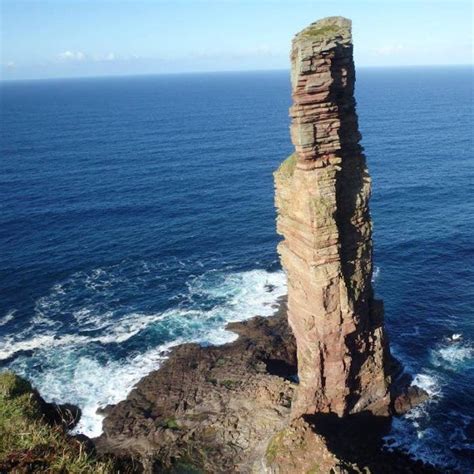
(137, 214)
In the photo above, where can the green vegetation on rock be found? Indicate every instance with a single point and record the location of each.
(314, 469)
(171, 424)
(274, 446)
(287, 168)
(318, 31)
(29, 443)
(229, 384)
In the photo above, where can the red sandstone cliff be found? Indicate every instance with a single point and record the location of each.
(233, 408)
(322, 194)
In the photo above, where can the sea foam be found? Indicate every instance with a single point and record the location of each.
(454, 354)
(9, 316)
(73, 365)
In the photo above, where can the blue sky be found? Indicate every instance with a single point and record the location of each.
(68, 38)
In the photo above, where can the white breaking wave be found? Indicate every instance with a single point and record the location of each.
(453, 354)
(76, 367)
(419, 440)
(117, 332)
(8, 317)
(456, 353)
(413, 433)
(375, 274)
(97, 385)
(429, 383)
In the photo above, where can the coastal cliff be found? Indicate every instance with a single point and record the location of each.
(315, 395)
(322, 194)
(309, 390)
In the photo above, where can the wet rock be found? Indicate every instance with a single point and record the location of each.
(410, 397)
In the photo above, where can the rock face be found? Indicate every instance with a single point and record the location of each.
(322, 194)
(227, 409)
(237, 407)
(211, 409)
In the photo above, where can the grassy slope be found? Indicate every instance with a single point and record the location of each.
(28, 443)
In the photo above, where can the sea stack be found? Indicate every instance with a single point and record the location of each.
(322, 195)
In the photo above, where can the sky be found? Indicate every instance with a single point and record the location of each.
(79, 38)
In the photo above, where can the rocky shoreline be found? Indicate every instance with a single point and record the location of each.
(312, 389)
(227, 408)
(219, 409)
(214, 408)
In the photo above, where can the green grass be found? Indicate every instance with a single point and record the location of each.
(287, 168)
(321, 31)
(29, 444)
(171, 424)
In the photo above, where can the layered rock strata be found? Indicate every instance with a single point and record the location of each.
(322, 194)
(227, 409)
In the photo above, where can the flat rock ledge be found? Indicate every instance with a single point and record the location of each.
(227, 409)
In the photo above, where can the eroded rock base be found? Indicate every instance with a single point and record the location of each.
(214, 408)
(227, 409)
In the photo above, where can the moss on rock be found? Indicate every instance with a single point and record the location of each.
(318, 31)
(287, 168)
(274, 447)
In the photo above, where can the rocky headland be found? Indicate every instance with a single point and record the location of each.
(315, 395)
(228, 409)
(313, 388)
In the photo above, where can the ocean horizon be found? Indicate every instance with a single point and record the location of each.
(224, 71)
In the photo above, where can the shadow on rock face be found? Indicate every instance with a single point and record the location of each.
(357, 439)
(281, 368)
(349, 434)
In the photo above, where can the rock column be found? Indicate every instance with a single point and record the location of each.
(322, 194)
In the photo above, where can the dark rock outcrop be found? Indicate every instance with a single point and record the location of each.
(408, 397)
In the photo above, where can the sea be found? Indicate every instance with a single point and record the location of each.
(137, 213)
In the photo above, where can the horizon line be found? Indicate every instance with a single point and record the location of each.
(228, 71)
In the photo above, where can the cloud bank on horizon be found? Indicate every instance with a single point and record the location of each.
(70, 38)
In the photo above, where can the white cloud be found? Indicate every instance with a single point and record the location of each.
(389, 50)
(72, 56)
(79, 56)
(10, 65)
